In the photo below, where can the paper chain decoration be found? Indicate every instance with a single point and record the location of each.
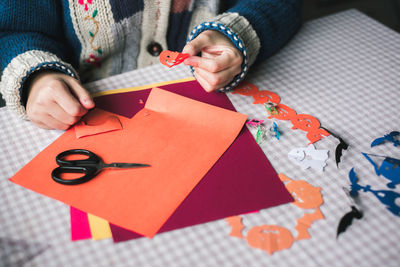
(272, 238)
(171, 58)
(304, 122)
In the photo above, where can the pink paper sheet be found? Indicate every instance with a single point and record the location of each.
(79, 225)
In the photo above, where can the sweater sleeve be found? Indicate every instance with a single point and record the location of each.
(31, 39)
(258, 28)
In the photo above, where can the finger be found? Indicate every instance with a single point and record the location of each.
(48, 122)
(81, 93)
(214, 62)
(219, 79)
(61, 115)
(67, 101)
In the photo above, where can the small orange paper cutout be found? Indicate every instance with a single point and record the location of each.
(96, 122)
(171, 58)
(237, 226)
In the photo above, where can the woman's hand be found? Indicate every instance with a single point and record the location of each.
(56, 100)
(220, 60)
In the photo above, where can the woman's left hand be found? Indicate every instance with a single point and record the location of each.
(220, 61)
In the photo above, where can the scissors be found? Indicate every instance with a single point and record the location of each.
(90, 166)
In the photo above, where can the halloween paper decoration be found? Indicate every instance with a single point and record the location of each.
(386, 197)
(275, 109)
(171, 58)
(309, 157)
(389, 168)
(97, 122)
(393, 137)
(347, 219)
(272, 238)
(339, 148)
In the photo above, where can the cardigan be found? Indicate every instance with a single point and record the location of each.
(94, 39)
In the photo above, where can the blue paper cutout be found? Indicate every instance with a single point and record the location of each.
(390, 169)
(274, 128)
(391, 137)
(386, 197)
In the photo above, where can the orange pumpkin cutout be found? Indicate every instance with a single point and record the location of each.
(172, 58)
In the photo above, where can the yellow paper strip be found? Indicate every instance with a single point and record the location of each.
(138, 88)
(99, 227)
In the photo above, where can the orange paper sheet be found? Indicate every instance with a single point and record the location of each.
(179, 137)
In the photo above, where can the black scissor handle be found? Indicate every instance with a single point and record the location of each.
(92, 159)
(90, 173)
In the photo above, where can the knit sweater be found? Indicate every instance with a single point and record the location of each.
(93, 39)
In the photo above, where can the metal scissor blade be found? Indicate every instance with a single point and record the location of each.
(127, 165)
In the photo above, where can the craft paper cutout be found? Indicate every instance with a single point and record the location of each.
(386, 197)
(97, 122)
(339, 148)
(279, 111)
(389, 168)
(99, 228)
(272, 238)
(171, 58)
(80, 228)
(393, 137)
(347, 219)
(254, 122)
(181, 149)
(355, 213)
(309, 157)
(249, 175)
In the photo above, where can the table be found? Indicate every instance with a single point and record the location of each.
(343, 69)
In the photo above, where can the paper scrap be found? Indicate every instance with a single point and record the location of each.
(99, 228)
(97, 122)
(80, 228)
(309, 157)
(168, 139)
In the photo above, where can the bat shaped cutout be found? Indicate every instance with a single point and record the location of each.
(347, 219)
(171, 58)
(355, 213)
(393, 137)
(339, 148)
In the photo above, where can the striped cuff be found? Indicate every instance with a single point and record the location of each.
(20, 68)
(236, 41)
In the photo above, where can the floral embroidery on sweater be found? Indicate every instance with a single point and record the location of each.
(92, 59)
(85, 3)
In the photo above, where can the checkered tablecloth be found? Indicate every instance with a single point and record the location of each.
(343, 69)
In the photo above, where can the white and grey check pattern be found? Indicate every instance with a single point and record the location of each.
(343, 69)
